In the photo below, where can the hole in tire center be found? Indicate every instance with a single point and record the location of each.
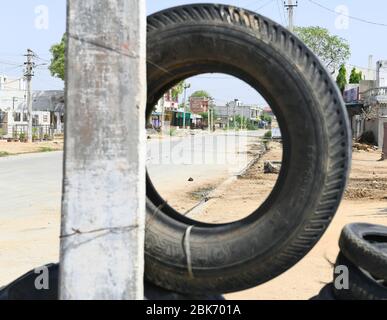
(224, 165)
(376, 239)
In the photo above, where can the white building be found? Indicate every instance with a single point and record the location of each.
(367, 105)
(47, 106)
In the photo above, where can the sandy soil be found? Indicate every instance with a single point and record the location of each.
(365, 201)
(307, 278)
(368, 178)
(13, 148)
(237, 198)
(33, 241)
(27, 243)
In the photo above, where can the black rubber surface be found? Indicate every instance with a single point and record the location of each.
(326, 293)
(195, 39)
(24, 289)
(366, 246)
(362, 286)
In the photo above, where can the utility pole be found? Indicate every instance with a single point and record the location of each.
(234, 116)
(290, 7)
(242, 117)
(103, 202)
(162, 114)
(228, 116)
(209, 120)
(14, 99)
(28, 74)
(213, 120)
(186, 86)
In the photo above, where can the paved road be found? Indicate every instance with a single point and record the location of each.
(171, 163)
(32, 183)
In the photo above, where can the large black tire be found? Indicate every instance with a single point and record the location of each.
(362, 285)
(189, 256)
(366, 246)
(24, 289)
(326, 293)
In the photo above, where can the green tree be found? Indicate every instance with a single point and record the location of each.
(341, 79)
(266, 118)
(57, 66)
(201, 94)
(178, 89)
(355, 76)
(332, 50)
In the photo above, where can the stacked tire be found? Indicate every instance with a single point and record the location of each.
(363, 257)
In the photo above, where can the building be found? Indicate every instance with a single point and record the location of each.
(199, 105)
(164, 111)
(268, 112)
(367, 106)
(47, 110)
(12, 92)
(167, 103)
(236, 108)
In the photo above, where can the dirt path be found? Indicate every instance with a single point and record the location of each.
(14, 148)
(243, 195)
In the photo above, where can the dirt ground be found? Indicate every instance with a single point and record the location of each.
(27, 243)
(365, 201)
(30, 242)
(14, 148)
(238, 197)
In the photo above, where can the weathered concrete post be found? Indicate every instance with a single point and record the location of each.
(103, 211)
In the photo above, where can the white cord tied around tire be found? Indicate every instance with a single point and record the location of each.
(187, 250)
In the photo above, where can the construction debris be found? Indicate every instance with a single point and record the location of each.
(364, 147)
(272, 167)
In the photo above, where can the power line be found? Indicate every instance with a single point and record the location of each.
(9, 63)
(264, 5)
(9, 69)
(283, 12)
(251, 3)
(348, 16)
(279, 12)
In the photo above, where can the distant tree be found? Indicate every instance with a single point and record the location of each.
(266, 118)
(332, 50)
(201, 94)
(178, 89)
(57, 66)
(341, 79)
(355, 76)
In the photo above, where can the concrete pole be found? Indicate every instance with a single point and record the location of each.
(209, 120)
(28, 76)
(290, 7)
(162, 114)
(186, 86)
(291, 23)
(213, 120)
(228, 117)
(103, 209)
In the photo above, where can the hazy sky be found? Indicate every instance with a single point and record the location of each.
(22, 29)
